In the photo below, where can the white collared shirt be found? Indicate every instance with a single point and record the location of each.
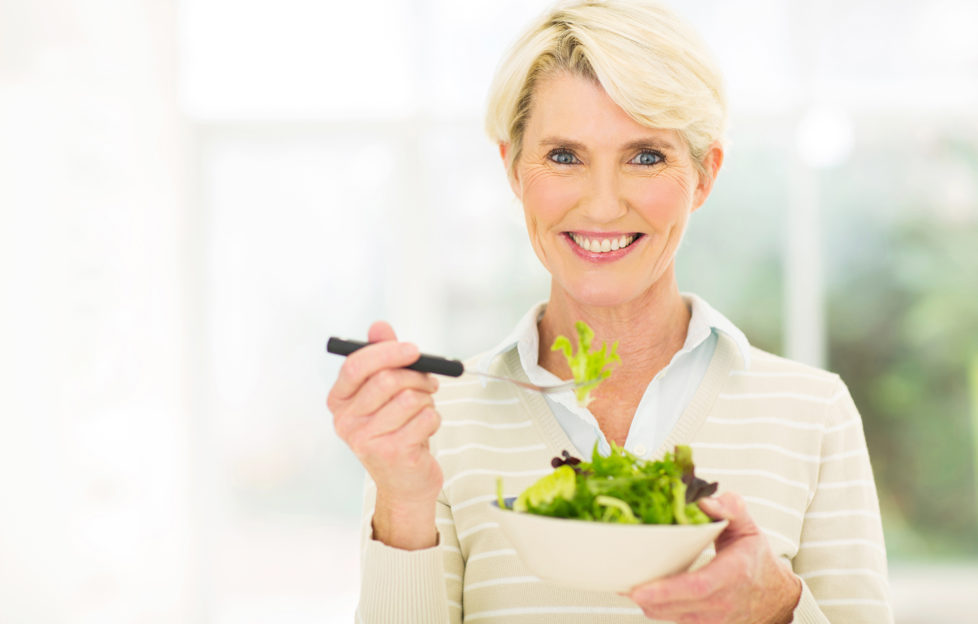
(665, 398)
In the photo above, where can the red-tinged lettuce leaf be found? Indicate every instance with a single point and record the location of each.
(696, 488)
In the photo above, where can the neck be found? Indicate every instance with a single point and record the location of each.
(649, 329)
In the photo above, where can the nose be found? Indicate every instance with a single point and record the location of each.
(603, 200)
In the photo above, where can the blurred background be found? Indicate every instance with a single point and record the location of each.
(194, 195)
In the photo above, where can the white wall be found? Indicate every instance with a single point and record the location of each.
(94, 431)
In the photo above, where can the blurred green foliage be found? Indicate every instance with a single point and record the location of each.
(904, 332)
(902, 255)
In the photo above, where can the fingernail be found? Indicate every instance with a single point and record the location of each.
(408, 349)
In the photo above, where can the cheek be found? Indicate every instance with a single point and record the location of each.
(546, 198)
(664, 200)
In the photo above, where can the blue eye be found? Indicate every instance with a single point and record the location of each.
(562, 157)
(647, 158)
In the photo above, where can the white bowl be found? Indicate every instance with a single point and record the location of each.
(599, 555)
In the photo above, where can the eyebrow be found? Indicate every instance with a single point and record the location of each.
(653, 142)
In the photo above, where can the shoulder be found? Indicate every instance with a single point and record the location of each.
(787, 387)
(770, 369)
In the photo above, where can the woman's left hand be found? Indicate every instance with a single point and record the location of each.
(745, 582)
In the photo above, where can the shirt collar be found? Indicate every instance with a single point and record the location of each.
(704, 319)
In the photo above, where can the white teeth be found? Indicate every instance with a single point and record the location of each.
(604, 245)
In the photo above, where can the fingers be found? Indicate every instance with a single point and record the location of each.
(385, 386)
(399, 410)
(363, 363)
(380, 331)
(731, 507)
(680, 588)
(723, 507)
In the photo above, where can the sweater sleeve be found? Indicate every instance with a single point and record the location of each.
(841, 558)
(413, 587)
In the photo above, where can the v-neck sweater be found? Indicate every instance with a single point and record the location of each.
(785, 436)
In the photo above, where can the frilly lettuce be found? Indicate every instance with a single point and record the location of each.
(620, 488)
(587, 366)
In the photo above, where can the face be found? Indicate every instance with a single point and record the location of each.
(606, 199)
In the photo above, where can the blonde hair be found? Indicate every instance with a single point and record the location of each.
(650, 63)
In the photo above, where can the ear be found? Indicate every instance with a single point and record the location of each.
(511, 173)
(710, 165)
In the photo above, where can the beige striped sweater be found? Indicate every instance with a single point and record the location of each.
(785, 436)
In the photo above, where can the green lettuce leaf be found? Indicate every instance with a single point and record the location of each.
(587, 365)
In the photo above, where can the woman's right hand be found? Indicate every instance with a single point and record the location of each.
(385, 413)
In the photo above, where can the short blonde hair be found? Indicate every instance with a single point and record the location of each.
(654, 66)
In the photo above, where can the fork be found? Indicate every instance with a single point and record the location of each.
(444, 366)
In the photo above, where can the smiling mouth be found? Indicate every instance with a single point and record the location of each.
(603, 245)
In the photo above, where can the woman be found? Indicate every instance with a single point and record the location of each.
(610, 118)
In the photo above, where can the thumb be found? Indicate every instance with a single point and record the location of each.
(730, 507)
(380, 331)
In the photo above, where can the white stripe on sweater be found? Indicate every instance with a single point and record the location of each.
(838, 485)
(774, 448)
(499, 473)
(844, 513)
(766, 503)
(749, 472)
(480, 423)
(502, 613)
(841, 572)
(491, 449)
(794, 424)
(743, 373)
(840, 602)
(842, 542)
(473, 501)
(511, 401)
(477, 528)
(783, 395)
(792, 544)
(505, 580)
(504, 552)
(838, 456)
(843, 426)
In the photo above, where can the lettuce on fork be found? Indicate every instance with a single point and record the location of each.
(587, 366)
(620, 488)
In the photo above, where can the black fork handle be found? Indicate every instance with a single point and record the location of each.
(425, 364)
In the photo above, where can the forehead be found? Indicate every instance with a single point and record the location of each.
(573, 108)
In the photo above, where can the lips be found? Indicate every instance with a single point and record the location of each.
(597, 243)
